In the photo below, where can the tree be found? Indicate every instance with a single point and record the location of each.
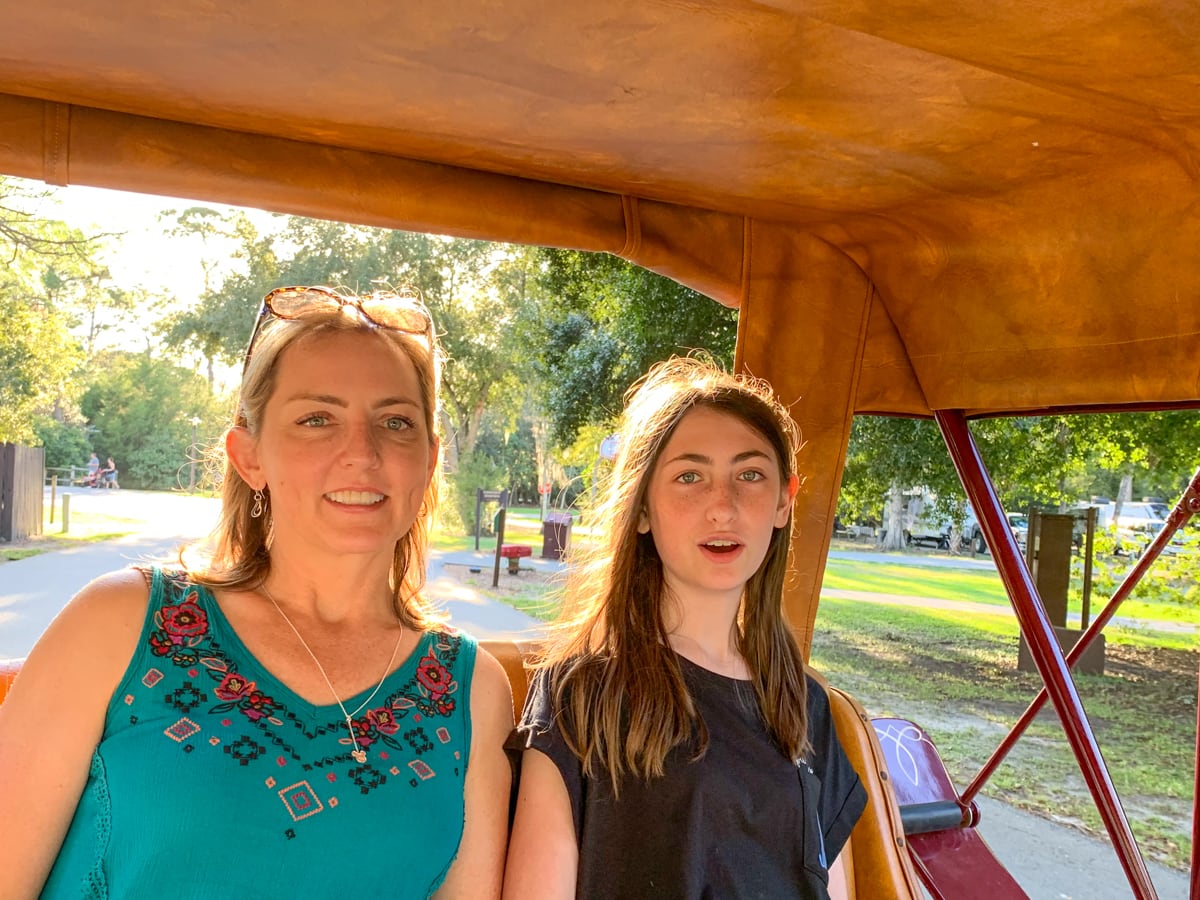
(39, 357)
(888, 459)
(141, 409)
(66, 444)
(1049, 461)
(219, 325)
(599, 323)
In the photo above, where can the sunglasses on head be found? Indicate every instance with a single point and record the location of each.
(385, 309)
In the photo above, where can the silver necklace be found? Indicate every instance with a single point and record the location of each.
(359, 754)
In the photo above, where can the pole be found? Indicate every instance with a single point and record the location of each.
(499, 547)
(66, 523)
(53, 495)
(1085, 611)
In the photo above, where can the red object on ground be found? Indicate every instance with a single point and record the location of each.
(513, 553)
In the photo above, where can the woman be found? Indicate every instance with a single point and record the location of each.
(108, 475)
(289, 718)
(673, 745)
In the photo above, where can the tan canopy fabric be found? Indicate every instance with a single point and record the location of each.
(918, 206)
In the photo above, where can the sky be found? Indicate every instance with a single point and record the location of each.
(144, 256)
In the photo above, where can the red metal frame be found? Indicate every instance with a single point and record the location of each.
(1194, 892)
(1043, 645)
(1188, 504)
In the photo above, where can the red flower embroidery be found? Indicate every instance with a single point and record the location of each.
(187, 620)
(258, 706)
(383, 720)
(363, 731)
(233, 686)
(435, 677)
(159, 646)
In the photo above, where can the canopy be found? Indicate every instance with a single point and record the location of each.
(917, 205)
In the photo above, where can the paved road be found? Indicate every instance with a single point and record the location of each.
(1051, 862)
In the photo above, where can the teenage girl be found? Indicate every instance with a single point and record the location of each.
(673, 745)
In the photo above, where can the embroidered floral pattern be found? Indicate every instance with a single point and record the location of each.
(434, 677)
(182, 634)
(233, 687)
(187, 620)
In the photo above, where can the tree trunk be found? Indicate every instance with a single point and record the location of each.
(1124, 495)
(955, 539)
(893, 537)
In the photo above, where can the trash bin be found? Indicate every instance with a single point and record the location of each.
(556, 535)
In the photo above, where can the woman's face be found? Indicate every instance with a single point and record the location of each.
(343, 445)
(713, 501)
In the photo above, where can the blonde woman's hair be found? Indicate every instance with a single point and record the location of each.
(618, 685)
(238, 550)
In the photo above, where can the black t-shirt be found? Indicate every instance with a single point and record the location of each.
(743, 821)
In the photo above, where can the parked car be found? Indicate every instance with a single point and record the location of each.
(1018, 522)
(1137, 525)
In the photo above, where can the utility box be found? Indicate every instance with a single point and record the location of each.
(556, 535)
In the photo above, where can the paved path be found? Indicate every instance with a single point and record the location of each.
(1052, 862)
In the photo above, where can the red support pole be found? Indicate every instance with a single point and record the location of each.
(1189, 503)
(1043, 645)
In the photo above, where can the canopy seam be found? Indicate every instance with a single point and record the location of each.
(633, 227)
(56, 149)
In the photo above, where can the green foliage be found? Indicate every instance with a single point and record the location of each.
(65, 444)
(48, 267)
(474, 472)
(38, 359)
(1049, 461)
(141, 408)
(219, 326)
(598, 323)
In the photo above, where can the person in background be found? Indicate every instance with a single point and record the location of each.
(108, 475)
(93, 470)
(285, 715)
(672, 743)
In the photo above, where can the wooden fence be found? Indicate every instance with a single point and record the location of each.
(21, 476)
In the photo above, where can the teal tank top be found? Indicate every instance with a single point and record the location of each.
(212, 779)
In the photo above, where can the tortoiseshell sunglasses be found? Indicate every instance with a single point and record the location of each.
(385, 309)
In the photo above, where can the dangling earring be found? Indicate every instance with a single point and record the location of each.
(260, 504)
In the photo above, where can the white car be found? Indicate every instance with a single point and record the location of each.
(1137, 525)
(1018, 522)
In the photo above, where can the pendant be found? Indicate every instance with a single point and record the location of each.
(360, 756)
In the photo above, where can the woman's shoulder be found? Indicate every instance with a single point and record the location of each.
(124, 591)
(92, 640)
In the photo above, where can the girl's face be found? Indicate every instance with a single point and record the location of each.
(342, 445)
(713, 500)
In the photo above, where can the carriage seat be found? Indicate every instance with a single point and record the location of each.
(8, 673)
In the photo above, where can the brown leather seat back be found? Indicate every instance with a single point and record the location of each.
(881, 863)
(8, 674)
(512, 656)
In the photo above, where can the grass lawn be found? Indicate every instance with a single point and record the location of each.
(984, 586)
(86, 527)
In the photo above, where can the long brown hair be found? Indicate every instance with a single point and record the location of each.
(624, 704)
(238, 555)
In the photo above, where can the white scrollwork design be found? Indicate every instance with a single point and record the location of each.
(900, 736)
